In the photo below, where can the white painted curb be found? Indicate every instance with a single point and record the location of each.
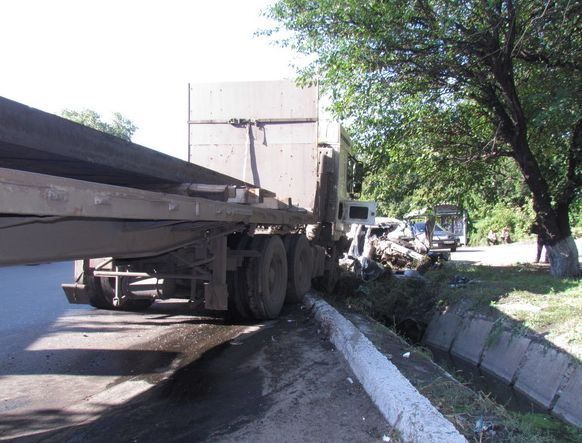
(401, 404)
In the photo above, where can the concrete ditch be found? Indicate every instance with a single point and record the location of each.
(547, 375)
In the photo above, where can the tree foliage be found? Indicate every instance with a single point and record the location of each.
(120, 126)
(455, 100)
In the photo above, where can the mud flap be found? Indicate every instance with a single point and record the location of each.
(77, 294)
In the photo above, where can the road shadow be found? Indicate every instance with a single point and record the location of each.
(283, 383)
(216, 391)
(95, 362)
(37, 421)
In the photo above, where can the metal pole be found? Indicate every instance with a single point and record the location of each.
(189, 159)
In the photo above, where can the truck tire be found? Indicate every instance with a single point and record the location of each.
(266, 277)
(102, 292)
(299, 267)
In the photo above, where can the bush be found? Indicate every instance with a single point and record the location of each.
(519, 220)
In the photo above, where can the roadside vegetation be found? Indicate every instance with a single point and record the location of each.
(471, 103)
(120, 126)
(525, 295)
(515, 214)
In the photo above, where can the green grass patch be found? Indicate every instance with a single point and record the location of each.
(525, 296)
(545, 429)
(388, 300)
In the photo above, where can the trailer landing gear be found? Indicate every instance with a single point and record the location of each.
(101, 292)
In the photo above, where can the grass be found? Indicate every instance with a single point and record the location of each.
(524, 296)
(388, 299)
(464, 408)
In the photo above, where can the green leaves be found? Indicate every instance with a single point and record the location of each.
(437, 93)
(120, 126)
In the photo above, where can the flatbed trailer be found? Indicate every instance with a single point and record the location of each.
(144, 226)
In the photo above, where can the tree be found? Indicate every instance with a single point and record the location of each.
(450, 90)
(120, 126)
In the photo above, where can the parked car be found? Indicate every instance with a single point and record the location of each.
(441, 238)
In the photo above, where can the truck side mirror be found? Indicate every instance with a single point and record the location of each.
(358, 178)
(355, 177)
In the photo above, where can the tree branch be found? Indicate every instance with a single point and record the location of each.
(537, 57)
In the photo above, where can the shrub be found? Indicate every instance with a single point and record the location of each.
(519, 220)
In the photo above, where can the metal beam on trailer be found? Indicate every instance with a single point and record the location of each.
(36, 141)
(45, 218)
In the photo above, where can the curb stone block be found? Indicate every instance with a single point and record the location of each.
(442, 330)
(541, 374)
(398, 401)
(502, 358)
(471, 340)
(569, 406)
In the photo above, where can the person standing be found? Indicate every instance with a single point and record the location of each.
(536, 229)
(491, 237)
(505, 237)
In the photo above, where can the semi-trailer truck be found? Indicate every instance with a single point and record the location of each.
(259, 212)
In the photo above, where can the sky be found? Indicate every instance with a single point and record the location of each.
(135, 57)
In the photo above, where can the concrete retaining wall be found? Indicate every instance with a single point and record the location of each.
(547, 375)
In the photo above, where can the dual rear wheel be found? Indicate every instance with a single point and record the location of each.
(281, 272)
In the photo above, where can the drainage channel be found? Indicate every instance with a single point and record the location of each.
(498, 391)
(489, 385)
(522, 374)
(455, 400)
(524, 363)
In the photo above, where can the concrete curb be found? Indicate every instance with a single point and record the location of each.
(399, 402)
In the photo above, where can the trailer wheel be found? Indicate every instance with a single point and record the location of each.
(299, 267)
(267, 277)
(102, 292)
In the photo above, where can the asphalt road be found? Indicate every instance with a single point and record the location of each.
(502, 255)
(74, 373)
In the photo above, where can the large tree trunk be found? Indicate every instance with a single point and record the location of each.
(564, 258)
(553, 219)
